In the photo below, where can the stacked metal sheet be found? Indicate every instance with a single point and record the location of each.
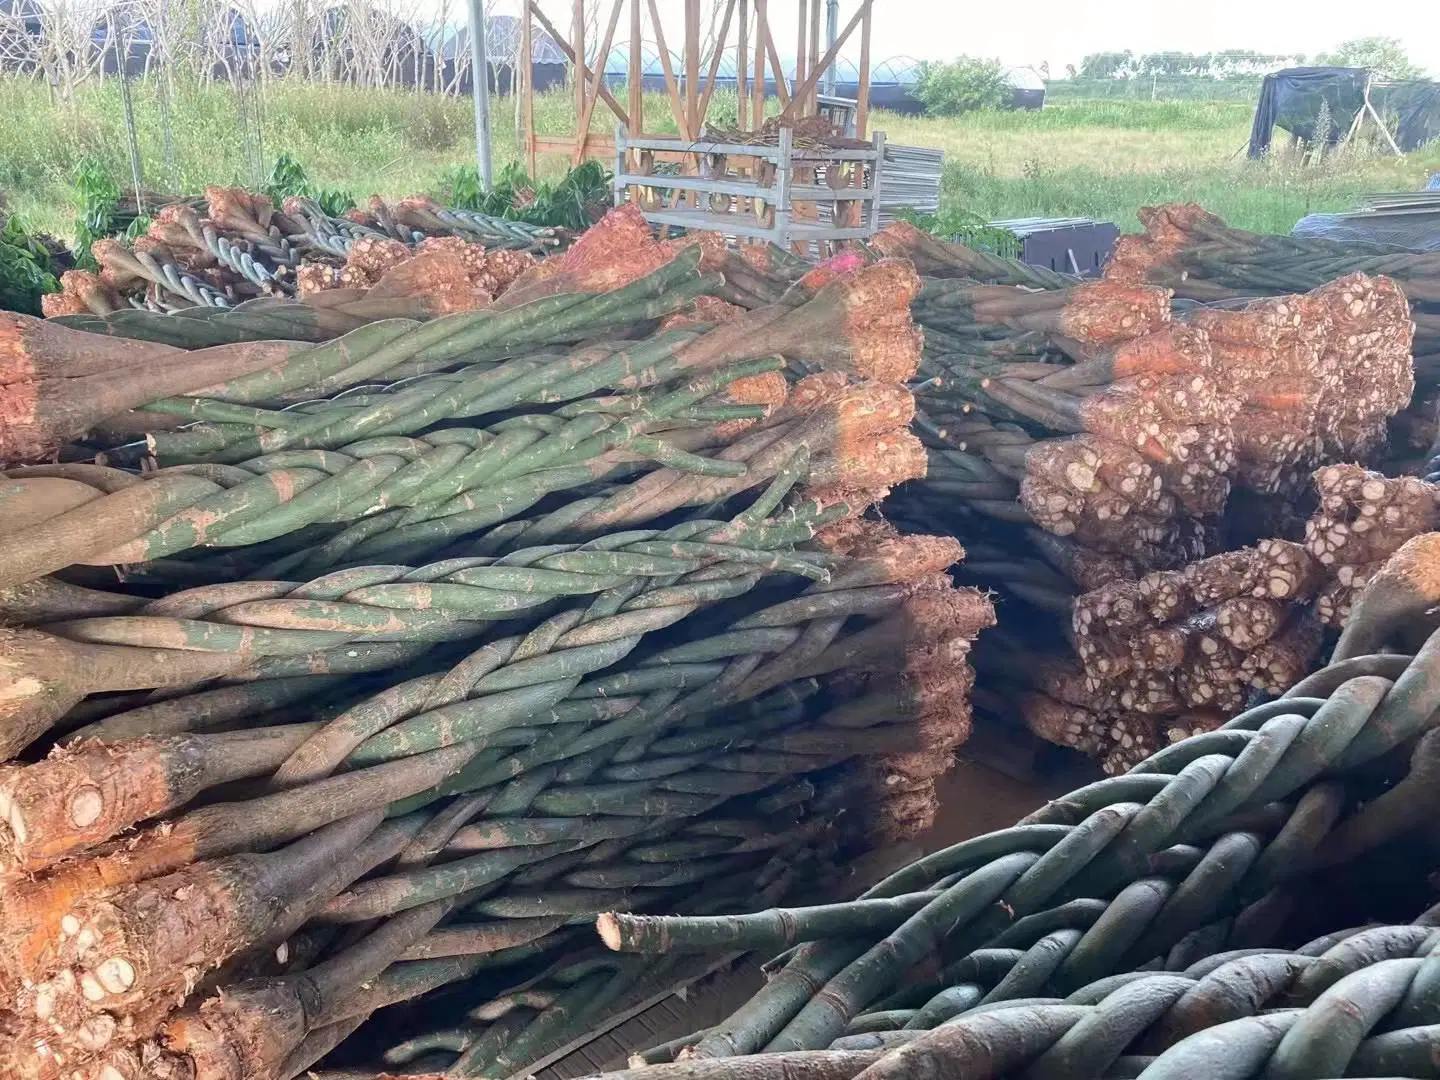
(1399, 219)
(911, 178)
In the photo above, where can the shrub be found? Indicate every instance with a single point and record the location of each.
(963, 85)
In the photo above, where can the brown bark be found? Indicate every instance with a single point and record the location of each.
(135, 947)
(82, 796)
(42, 677)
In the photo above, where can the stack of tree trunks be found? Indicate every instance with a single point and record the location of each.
(1138, 471)
(244, 249)
(1198, 916)
(337, 675)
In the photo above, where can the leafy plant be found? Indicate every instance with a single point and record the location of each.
(965, 84)
(574, 202)
(288, 178)
(966, 227)
(26, 273)
(99, 197)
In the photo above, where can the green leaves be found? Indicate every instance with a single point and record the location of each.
(99, 197)
(288, 178)
(25, 269)
(959, 225)
(575, 202)
(965, 84)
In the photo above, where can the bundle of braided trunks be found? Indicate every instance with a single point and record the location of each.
(383, 278)
(403, 655)
(1120, 426)
(1252, 902)
(608, 289)
(1195, 253)
(243, 248)
(1174, 652)
(1132, 476)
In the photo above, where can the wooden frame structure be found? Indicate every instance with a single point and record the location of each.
(689, 90)
(805, 199)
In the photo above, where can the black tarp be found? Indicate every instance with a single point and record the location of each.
(1415, 104)
(1298, 99)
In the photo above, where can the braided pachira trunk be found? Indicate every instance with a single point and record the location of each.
(443, 635)
(1144, 925)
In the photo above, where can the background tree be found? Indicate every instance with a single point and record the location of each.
(963, 85)
(1382, 55)
(1108, 65)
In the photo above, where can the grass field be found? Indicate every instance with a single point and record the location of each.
(1098, 158)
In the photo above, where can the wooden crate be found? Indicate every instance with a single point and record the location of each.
(805, 199)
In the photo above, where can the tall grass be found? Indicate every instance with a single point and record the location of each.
(1100, 158)
(1107, 158)
(386, 142)
(1173, 88)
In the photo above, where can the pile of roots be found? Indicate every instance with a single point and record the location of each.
(342, 674)
(1196, 254)
(1123, 426)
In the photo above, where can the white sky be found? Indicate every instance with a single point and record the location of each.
(1063, 31)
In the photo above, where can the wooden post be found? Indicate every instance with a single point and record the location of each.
(692, 66)
(813, 105)
(803, 90)
(742, 59)
(876, 178)
(1379, 122)
(782, 188)
(577, 45)
(622, 165)
(782, 88)
(862, 92)
(715, 58)
(565, 47)
(637, 73)
(801, 37)
(681, 120)
(597, 79)
(527, 73)
(757, 111)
